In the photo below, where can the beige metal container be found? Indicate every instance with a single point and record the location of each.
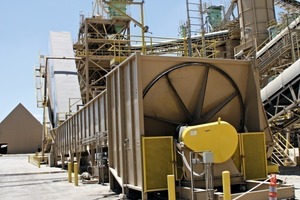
(149, 96)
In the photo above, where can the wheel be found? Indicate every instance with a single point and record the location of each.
(189, 94)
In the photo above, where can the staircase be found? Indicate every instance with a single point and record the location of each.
(273, 56)
(281, 154)
(267, 60)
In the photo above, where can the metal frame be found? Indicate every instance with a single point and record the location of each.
(97, 45)
(282, 107)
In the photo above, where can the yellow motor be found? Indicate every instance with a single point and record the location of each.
(218, 137)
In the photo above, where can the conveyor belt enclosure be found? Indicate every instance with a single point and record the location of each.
(149, 96)
(281, 98)
(62, 79)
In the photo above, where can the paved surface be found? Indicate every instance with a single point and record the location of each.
(24, 181)
(291, 175)
(294, 180)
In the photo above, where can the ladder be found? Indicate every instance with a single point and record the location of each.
(195, 22)
(39, 72)
(195, 16)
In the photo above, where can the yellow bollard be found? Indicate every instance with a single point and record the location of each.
(171, 187)
(226, 185)
(70, 172)
(76, 174)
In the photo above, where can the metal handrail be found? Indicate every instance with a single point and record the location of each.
(278, 160)
(281, 137)
(283, 142)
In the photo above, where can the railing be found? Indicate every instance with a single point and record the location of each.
(283, 155)
(210, 49)
(36, 160)
(118, 46)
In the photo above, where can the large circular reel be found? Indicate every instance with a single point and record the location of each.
(189, 94)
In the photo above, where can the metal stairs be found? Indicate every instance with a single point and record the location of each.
(283, 153)
(279, 53)
(276, 51)
(265, 62)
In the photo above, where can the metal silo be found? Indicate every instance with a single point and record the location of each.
(255, 17)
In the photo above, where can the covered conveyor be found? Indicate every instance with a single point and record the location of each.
(281, 98)
(62, 79)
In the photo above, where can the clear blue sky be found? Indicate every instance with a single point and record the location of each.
(24, 34)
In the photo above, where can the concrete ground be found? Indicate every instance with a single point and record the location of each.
(294, 180)
(24, 181)
(291, 175)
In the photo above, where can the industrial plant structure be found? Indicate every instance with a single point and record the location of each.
(135, 110)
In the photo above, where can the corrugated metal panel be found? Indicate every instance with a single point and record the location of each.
(77, 131)
(125, 127)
